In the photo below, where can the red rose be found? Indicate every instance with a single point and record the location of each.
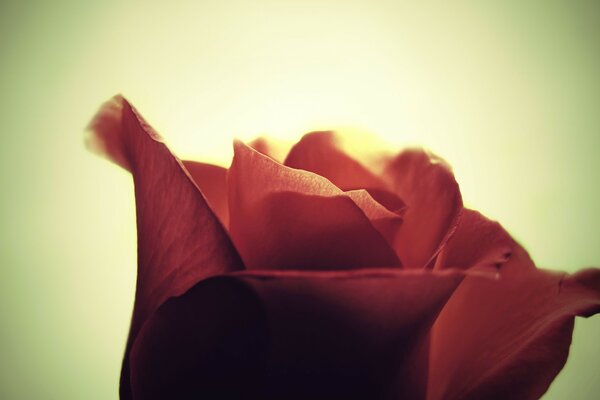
(326, 277)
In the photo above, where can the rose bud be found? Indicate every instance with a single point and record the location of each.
(328, 276)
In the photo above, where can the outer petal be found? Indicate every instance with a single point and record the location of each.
(481, 242)
(212, 181)
(180, 241)
(292, 219)
(433, 201)
(507, 339)
(292, 335)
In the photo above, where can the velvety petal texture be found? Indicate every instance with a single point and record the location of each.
(292, 335)
(180, 241)
(433, 205)
(479, 242)
(212, 181)
(284, 218)
(508, 338)
(326, 277)
(424, 185)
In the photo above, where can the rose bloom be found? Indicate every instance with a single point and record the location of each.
(325, 276)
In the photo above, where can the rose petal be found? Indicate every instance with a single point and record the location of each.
(479, 242)
(290, 219)
(275, 149)
(433, 205)
(292, 335)
(422, 181)
(507, 339)
(212, 181)
(320, 153)
(180, 241)
(384, 220)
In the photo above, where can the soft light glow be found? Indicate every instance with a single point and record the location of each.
(507, 93)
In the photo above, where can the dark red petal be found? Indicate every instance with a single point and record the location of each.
(320, 153)
(507, 339)
(481, 242)
(180, 241)
(433, 205)
(282, 218)
(292, 335)
(212, 181)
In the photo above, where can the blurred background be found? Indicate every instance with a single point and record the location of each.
(507, 92)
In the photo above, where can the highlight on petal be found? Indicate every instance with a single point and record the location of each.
(292, 219)
(416, 182)
(319, 152)
(202, 326)
(433, 205)
(479, 242)
(292, 335)
(273, 148)
(180, 241)
(509, 338)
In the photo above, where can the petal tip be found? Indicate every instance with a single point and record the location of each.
(104, 132)
(239, 146)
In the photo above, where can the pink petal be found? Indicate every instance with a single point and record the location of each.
(507, 339)
(282, 218)
(292, 335)
(212, 181)
(480, 242)
(180, 241)
(433, 205)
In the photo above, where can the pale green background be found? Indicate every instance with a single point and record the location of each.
(508, 93)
